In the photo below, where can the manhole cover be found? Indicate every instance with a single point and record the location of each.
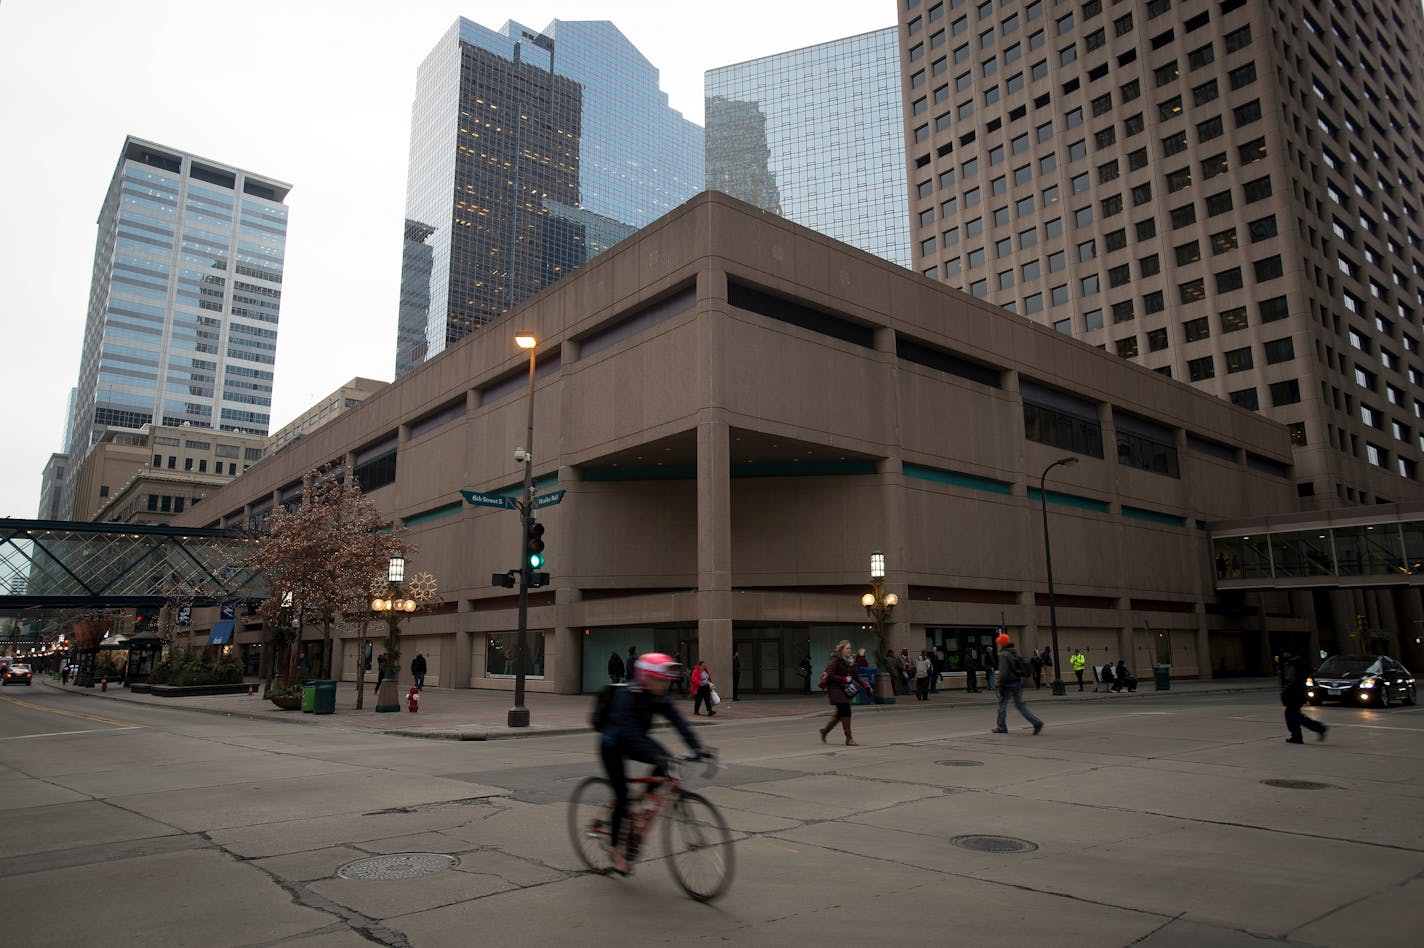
(397, 866)
(960, 763)
(994, 844)
(1299, 784)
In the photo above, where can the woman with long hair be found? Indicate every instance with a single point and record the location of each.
(840, 671)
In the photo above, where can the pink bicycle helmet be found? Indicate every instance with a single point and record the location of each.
(657, 665)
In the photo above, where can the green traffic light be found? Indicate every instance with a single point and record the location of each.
(536, 560)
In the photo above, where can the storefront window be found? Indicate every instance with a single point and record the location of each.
(502, 649)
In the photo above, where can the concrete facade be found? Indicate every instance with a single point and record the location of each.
(740, 411)
(1225, 193)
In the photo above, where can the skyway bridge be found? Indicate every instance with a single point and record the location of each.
(1344, 547)
(57, 564)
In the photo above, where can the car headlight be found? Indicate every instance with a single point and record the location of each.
(1310, 683)
(1367, 683)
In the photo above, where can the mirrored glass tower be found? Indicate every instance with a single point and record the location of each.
(184, 299)
(815, 135)
(530, 153)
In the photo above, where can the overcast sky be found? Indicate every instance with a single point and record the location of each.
(311, 92)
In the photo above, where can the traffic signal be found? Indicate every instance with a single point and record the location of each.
(538, 579)
(534, 548)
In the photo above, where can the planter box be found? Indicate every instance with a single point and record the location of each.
(183, 691)
(287, 702)
(140, 689)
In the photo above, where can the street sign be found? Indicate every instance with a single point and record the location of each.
(490, 500)
(227, 610)
(185, 615)
(548, 500)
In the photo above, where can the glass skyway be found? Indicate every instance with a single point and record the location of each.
(63, 564)
(1357, 546)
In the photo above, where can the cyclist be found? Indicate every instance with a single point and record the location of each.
(625, 735)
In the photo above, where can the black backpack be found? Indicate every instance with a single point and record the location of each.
(602, 705)
(1022, 667)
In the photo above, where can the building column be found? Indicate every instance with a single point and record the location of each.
(568, 600)
(1408, 608)
(714, 547)
(1123, 607)
(1342, 616)
(459, 674)
(1388, 621)
(1203, 642)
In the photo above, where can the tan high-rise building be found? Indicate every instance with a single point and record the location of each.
(1224, 192)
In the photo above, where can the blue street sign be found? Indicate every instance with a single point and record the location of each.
(489, 500)
(548, 500)
(185, 615)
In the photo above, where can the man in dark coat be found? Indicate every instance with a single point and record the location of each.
(417, 670)
(736, 673)
(615, 668)
(1293, 674)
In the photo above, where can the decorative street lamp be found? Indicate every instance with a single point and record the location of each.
(390, 604)
(519, 714)
(1058, 686)
(879, 605)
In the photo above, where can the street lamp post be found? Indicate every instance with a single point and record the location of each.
(879, 605)
(390, 606)
(1058, 686)
(519, 714)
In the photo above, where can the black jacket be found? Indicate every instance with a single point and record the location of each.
(630, 718)
(1293, 675)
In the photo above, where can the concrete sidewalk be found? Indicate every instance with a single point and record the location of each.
(481, 714)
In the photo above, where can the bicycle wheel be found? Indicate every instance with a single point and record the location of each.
(589, 809)
(699, 846)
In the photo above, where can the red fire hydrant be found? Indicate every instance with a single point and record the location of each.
(413, 699)
(105, 685)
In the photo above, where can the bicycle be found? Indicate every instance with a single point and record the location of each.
(696, 839)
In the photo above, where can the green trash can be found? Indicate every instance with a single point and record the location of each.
(308, 696)
(326, 697)
(1162, 676)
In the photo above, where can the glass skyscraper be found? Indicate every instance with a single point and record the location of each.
(816, 136)
(184, 299)
(530, 153)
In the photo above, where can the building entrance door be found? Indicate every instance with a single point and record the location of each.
(761, 665)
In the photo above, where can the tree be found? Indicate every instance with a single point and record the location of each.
(320, 560)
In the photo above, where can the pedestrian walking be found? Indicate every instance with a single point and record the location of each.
(417, 670)
(1035, 663)
(971, 674)
(1293, 673)
(736, 673)
(616, 670)
(1079, 661)
(702, 690)
(990, 664)
(1011, 672)
(805, 668)
(839, 673)
(380, 671)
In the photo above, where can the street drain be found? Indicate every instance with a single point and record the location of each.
(397, 866)
(994, 844)
(960, 763)
(1299, 784)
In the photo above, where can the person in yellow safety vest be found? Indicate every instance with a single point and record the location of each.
(1078, 661)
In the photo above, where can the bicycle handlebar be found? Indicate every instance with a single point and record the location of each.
(709, 754)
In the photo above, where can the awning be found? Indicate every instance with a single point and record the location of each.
(221, 633)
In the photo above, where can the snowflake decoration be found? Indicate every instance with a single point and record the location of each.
(379, 587)
(421, 587)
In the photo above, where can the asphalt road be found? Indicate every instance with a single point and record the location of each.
(1147, 825)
